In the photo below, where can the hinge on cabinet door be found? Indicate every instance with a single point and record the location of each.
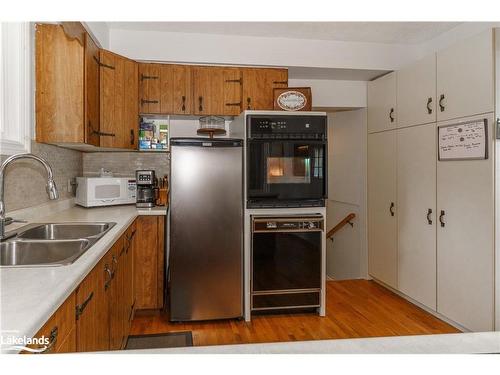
(234, 81)
(280, 82)
(234, 104)
(145, 101)
(143, 77)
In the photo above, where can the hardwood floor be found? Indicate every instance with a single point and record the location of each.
(355, 308)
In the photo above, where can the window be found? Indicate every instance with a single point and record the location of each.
(16, 87)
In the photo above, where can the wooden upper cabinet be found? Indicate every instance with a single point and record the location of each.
(60, 102)
(118, 104)
(166, 88)
(149, 88)
(91, 92)
(182, 98)
(207, 90)
(258, 85)
(232, 91)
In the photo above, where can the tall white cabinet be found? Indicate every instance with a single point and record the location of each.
(416, 181)
(436, 244)
(382, 229)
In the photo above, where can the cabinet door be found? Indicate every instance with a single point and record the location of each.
(149, 88)
(382, 224)
(59, 86)
(232, 91)
(129, 289)
(91, 92)
(166, 88)
(182, 101)
(119, 112)
(87, 323)
(465, 247)
(382, 103)
(258, 85)
(416, 176)
(416, 95)
(208, 90)
(117, 303)
(146, 262)
(465, 73)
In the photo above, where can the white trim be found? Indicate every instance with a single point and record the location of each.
(16, 90)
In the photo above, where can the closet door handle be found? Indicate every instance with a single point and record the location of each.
(391, 209)
(441, 104)
(429, 108)
(391, 113)
(441, 218)
(429, 213)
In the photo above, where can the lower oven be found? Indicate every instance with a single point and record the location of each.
(286, 262)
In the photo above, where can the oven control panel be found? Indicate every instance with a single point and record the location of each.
(283, 126)
(282, 224)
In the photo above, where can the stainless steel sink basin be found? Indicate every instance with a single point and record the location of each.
(50, 244)
(41, 253)
(64, 231)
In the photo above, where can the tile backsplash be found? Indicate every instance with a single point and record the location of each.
(124, 164)
(25, 179)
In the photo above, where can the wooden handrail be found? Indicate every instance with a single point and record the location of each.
(341, 224)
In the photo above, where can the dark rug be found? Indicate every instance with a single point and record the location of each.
(160, 340)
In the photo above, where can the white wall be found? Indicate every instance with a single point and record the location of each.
(334, 94)
(347, 255)
(100, 32)
(247, 50)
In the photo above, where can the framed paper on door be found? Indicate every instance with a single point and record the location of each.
(463, 141)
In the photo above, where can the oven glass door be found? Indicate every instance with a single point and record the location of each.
(286, 260)
(280, 170)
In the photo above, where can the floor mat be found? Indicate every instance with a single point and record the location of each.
(161, 340)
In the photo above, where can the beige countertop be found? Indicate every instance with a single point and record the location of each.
(29, 296)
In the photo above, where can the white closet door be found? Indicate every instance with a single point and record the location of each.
(465, 245)
(382, 103)
(416, 94)
(465, 74)
(382, 225)
(416, 196)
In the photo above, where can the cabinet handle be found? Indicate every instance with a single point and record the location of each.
(143, 77)
(52, 341)
(103, 134)
(80, 308)
(391, 113)
(146, 101)
(441, 218)
(391, 209)
(249, 100)
(429, 108)
(441, 105)
(110, 274)
(132, 137)
(131, 311)
(183, 103)
(429, 213)
(122, 251)
(200, 99)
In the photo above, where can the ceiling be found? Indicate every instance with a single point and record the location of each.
(299, 72)
(372, 32)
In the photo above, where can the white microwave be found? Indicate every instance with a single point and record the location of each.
(105, 191)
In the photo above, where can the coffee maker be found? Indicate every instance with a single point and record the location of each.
(146, 188)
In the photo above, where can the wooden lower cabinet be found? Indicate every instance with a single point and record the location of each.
(149, 262)
(98, 314)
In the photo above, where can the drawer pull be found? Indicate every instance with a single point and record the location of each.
(52, 341)
(81, 308)
(110, 274)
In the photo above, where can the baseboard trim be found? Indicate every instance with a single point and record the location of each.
(423, 307)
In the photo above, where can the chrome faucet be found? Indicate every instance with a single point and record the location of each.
(50, 187)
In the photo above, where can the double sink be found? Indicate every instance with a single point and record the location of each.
(50, 244)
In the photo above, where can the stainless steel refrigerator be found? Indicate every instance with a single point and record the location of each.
(206, 229)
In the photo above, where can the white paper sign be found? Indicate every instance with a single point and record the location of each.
(463, 141)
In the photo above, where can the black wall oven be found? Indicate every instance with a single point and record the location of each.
(286, 161)
(286, 262)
